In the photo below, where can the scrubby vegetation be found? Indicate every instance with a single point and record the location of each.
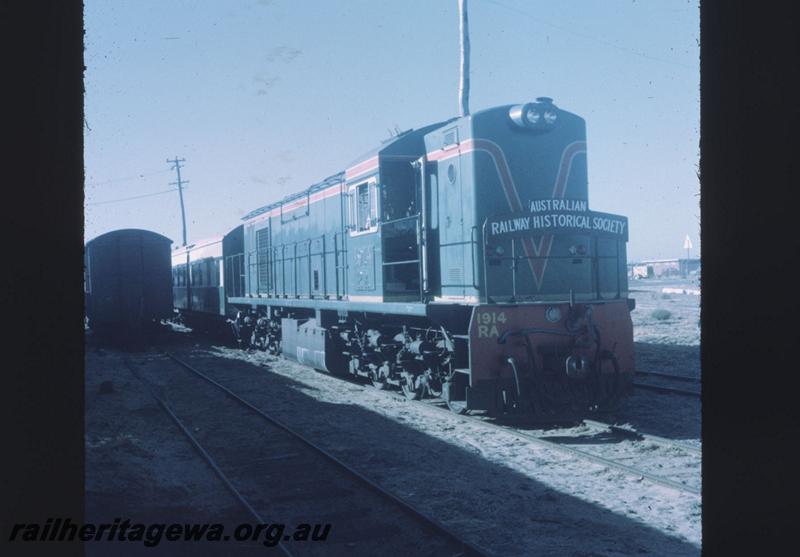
(661, 314)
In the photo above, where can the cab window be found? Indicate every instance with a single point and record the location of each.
(364, 203)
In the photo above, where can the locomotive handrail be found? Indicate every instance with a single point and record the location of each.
(593, 256)
(485, 270)
(395, 221)
(386, 228)
(278, 257)
(405, 262)
(423, 226)
(295, 216)
(474, 244)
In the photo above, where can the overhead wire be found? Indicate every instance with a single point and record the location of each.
(126, 178)
(134, 197)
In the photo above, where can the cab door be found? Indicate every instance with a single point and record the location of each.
(363, 242)
(451, 217)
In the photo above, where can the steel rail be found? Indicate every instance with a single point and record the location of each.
(468, 548)
(611, 463)
(207, 457)
(666, 390)
(669, 376)
(644, 436)
(560, 447)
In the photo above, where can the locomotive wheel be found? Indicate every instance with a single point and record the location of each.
(430, 384)
(455, 406)
(411, 388)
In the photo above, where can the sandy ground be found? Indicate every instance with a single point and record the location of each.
(497, 490)
(484, 480)
(682, 328)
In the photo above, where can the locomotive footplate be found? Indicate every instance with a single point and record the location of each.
(548, 360)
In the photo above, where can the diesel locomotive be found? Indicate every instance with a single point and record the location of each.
(459, 260)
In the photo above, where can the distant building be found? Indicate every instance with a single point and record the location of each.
(663, 268)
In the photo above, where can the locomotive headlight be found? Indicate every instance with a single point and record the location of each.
(552, 314)
(539, 115)
(533, 116)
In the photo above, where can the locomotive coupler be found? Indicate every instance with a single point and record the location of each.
(577, 367)
(528, 385)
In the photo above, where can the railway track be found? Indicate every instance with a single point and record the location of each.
(571, 446)
(666, 389)
(277, 473)
(671, 376)
(689, 456)
(625, 431)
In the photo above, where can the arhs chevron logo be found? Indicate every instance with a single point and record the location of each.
(536, 252)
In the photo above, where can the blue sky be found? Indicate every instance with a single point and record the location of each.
(263, 98)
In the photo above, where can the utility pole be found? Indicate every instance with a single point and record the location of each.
(463, 83)
(176, 162)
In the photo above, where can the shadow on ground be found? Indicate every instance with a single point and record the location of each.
(491, 505)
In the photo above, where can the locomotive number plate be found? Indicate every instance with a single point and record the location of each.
(487, 323)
